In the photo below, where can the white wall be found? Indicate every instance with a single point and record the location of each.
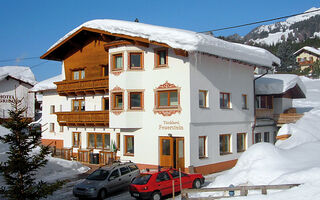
(216, 75)
(19, 89)
(281, 104)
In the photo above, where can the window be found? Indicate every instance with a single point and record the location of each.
(105, 71)
(52, 109)
(203, 99)
(202, 146)
(161, 58)
(257, 138)
(117, 62)
(167, 99)
(264, 102)
(51, 127)
(115, 174)
(78, 105)
(129, 145)
(99, 140)
(224, 100)
(117, 101)
(225, 144)
(105, 103)
(241, 142)
(76, 139)
(78, 74)
(135, 60)
(124, 170)
(244, 102)
(61, 128)
(118, 141)
(135, 100)
(163, 176)
(266, 137)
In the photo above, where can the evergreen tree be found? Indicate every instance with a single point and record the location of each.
(22, 164)
(285, 53)
(316, 69)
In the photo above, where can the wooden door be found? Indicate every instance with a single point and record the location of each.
(166, 152)
(179, 153)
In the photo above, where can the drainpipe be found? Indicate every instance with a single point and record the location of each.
(254, 103)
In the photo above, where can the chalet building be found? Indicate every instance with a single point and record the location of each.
(306, 56)
(16, 81)
(160, 96)
(274, 95)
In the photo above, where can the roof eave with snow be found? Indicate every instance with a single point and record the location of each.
(169, 37)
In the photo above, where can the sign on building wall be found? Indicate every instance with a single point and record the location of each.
(6, 98)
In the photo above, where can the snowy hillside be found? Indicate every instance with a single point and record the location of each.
(295, 160)
(290, 28)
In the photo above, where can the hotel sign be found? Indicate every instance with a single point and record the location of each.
(170, 126)
(6, 98)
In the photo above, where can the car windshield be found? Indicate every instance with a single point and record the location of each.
(99, 174)
(142, 179)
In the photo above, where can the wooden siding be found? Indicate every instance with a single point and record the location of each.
(86, 118)
(85, 86)
(91, 58)
(285, 118)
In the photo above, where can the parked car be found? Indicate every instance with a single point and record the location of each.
(105, 180)
(154, 185)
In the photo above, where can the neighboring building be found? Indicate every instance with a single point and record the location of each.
(306, 56)
(274, 95)
(46, 92)
(15, 81)
(164, 96)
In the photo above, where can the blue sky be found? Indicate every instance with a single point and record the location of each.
(29, 28)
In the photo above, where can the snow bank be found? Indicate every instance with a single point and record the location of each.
(47, 84)
(18, 72)
(277, 84)
(55, 169)
(181, 39)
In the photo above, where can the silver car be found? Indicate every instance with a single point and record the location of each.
(105, 180)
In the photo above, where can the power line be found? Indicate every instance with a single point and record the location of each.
(17, 59)
(259, 22)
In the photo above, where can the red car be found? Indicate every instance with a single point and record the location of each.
(154, 185)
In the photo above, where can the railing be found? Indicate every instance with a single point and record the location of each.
(85, 118)
(285, 118)
(307, 62)
(84, 155)
(96, 85)
(64, 153)
(106, 157)
(243, 190)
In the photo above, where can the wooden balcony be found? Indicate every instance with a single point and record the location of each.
(82, 87)
(85, 118)
(286, 118)
(306, 62)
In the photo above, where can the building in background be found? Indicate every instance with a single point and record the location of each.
(16, 81)
(160, 96)
(306, 56)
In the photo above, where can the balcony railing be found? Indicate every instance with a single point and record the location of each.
(306, 62)
(285, 118)
(82, 87)
(85, 118)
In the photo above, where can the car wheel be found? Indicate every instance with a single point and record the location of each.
(102, 194)
(196, 184)
(156, 196)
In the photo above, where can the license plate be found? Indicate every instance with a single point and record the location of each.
(135, 194)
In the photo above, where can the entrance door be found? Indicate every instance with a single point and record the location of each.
(166, 152)
(172, 152)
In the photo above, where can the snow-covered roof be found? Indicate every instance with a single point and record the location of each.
(47, 84)
(278, 84)
(310, 49)
(18, 72)
(179, 39)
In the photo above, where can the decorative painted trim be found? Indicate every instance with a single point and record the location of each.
(166, 111)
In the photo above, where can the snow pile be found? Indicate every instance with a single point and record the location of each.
(295, 160)
(310, 49)
(277, 84)
(55, 169)
(18, 72)
(47, 84)
(180, 39)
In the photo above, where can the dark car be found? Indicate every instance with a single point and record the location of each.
(105, 180)
(154, 185)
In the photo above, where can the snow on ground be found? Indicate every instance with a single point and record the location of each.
(55, 169)
(295, 160)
